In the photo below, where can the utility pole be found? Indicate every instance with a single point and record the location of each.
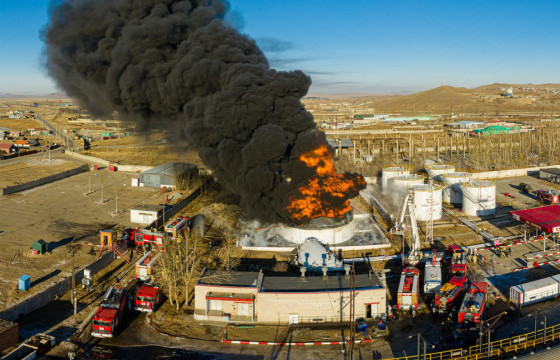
(352, 310)
(72, 249)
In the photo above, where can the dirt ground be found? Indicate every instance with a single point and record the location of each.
(19, 124)
(31, 169)
(61, 213)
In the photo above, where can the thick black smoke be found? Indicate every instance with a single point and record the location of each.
(179, 65)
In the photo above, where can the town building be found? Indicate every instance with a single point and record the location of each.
(8, 148)
(258, 298)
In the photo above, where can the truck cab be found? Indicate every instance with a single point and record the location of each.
(147, 298)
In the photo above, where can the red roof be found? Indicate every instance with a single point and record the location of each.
(22, 142)
(6, 146)
(544, 218)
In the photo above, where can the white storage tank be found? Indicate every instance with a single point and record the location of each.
(403, 182)
(427, 199)
(479, 197)
(436, 170)
(452, 192)
(391, 172)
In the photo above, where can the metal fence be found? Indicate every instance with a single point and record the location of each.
(496, 349)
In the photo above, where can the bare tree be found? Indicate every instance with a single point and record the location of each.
(183, 262)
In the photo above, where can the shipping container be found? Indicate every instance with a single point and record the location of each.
(535, 291)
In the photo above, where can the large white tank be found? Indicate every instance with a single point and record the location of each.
(479, 197)
(402, 183)
(452, 192)
(427, 198)
(435, 171)
(391, 172)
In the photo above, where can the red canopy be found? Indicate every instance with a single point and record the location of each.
(545, 218)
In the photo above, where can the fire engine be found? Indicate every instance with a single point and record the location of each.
(147, 298)
(432, 276)
(449, 294)
(474, 302)
(111, 312)
(177, 225)
(407, 296)
(145, 265)
(548, 196)
(459, 270)
(144, 237)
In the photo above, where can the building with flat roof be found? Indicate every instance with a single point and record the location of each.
(167, 175)
(145, 214)
(259, 298)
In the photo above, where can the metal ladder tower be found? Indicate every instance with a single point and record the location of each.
(430, 222)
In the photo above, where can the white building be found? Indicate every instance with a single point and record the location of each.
(145, 214)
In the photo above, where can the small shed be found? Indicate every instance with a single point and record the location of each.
(24, 282)
(40, 246)
(145, 214)
(550, 174)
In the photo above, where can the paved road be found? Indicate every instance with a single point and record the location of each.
(137, 337)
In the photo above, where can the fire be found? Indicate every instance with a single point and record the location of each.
(327, 193)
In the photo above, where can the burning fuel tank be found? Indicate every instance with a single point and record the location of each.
(328, 230)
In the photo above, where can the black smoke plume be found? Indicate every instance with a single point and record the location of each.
(179, 65)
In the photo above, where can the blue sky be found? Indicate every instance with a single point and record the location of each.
(353, 46)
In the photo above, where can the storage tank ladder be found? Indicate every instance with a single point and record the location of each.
(430, 222)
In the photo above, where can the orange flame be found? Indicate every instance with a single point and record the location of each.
(326, 194)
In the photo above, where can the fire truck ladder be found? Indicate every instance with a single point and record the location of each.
(117, 250)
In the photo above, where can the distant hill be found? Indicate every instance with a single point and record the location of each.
(484, 99)
(29, 95)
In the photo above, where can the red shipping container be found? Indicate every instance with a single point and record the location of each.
(112, 168)
(94, 167)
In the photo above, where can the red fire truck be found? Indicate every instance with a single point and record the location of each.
(407, 296)
(111, 312)
(474, 302)
(177, 225)
(459, 270)
(449, 294)
(144, 266)
(144, 237)
(548, 196)
(147, 298)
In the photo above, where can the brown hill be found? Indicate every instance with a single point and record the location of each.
(485, 99)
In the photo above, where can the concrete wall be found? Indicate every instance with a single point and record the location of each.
(277, 307)
(87, 158)
(510, 173)
(34, 302)
(31, 184)
(326, 305)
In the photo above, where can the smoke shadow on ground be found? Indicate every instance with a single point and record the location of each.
(45, 278)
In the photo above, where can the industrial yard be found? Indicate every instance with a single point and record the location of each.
(450, 203)
(172, 186)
